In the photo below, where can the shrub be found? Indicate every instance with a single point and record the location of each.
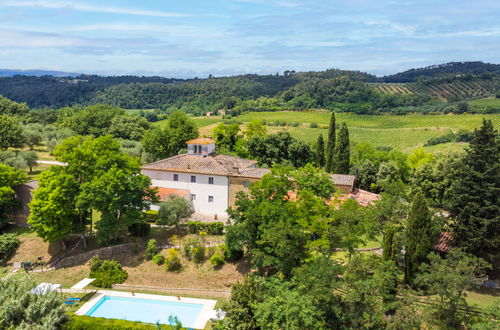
(173, 210)
(212, 228)
(8, 245)
(139, 229)
(199, 254)
(158, 259)
(172, 262)
(217, 260)
(236, 253)
(151, 216)
(106, 272)
(187, 252)
(83, 322)
(151, 249)
(313, 125)
(295, 124)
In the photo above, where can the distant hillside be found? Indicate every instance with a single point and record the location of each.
(36, 73)
(442, 69)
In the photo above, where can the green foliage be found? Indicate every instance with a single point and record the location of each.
(449, 279)
(211, 228)
(139, 229)
(11, 132)
(255, 128)
(330, 144)
(341, 156)
(83, 322)
(172, 262)
(151, 215)
(168, 141)
(151, 249)
(173, 210)
(31, 158)
(11, 108)
(474, 197)
(33, 135)
(419, 238)
(106, 272)
(9, 178)
(216, 260)
(8, 245)
(320, 151)
(23, 310)
(226, 136)
(158, 259)
(198, 254)
(278, 149)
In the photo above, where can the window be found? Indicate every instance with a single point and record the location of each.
(245, 184)
(193, 178)
(210, 180)
(176, 177)
(193, 197)
(210, 199)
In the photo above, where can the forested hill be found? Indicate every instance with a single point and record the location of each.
(451, 68)
(343, 90)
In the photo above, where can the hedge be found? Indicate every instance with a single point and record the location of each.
(150, 216)
(8, 245)
(212, 228)
(83, 322)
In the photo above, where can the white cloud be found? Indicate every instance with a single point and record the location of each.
(92, 8)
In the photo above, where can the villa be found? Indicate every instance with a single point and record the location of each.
(211, 181)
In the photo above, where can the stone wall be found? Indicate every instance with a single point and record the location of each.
(105, 253)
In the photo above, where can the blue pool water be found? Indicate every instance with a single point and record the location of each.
(145, 310)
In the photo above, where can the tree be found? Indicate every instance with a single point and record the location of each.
(419, 157)
(33, 135)
(31, 158)
(330, 146)
(23, 310)
(11, 132)
(9, 178)
(168, 141)
(320, 151)
(341, 157)
(173, 210)
(449, 279)
(128, 127)
(226, 136)
(418, 236)
(11, 108)
(95, 120)
(53, 213)
(474, 197)
(366, 175)
(255, 128)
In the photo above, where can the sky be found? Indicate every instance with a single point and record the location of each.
(185, 38)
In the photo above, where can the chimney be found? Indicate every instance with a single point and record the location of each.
(236, 169)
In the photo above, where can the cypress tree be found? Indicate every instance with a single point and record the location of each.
(320, 151)
(390, 244)
(419, 240)
(341, 156)
(474, 197)
(330, 145)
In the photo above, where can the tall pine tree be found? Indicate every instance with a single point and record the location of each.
(419, 237)
(330, 145)
(474, 197)
(341, 156)
(320, 151)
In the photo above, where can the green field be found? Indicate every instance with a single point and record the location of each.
(137, 111)
(484, 104)
(404, 133)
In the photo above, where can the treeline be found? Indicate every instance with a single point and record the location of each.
(411, 75)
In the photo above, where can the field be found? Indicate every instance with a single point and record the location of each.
(200, 121)
(404, 133)
(137, 111)
(485, 103)
(394, 88)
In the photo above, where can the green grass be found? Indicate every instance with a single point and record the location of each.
(483, 298)
(137, 111)
(485, 103)
(200, 121)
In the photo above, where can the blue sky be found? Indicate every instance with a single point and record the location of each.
(194, 38)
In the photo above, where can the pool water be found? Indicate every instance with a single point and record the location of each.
(145, 310)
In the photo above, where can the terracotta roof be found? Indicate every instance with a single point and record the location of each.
(343, 179)
(217, 165)
(444, 242)
(200, 141)
(363, 197)
(163, 193)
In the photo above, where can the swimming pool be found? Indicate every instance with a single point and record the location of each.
(193, 313)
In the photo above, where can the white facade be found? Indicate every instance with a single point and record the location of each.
(208, 198)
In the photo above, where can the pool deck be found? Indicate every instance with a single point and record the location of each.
(206, 312)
